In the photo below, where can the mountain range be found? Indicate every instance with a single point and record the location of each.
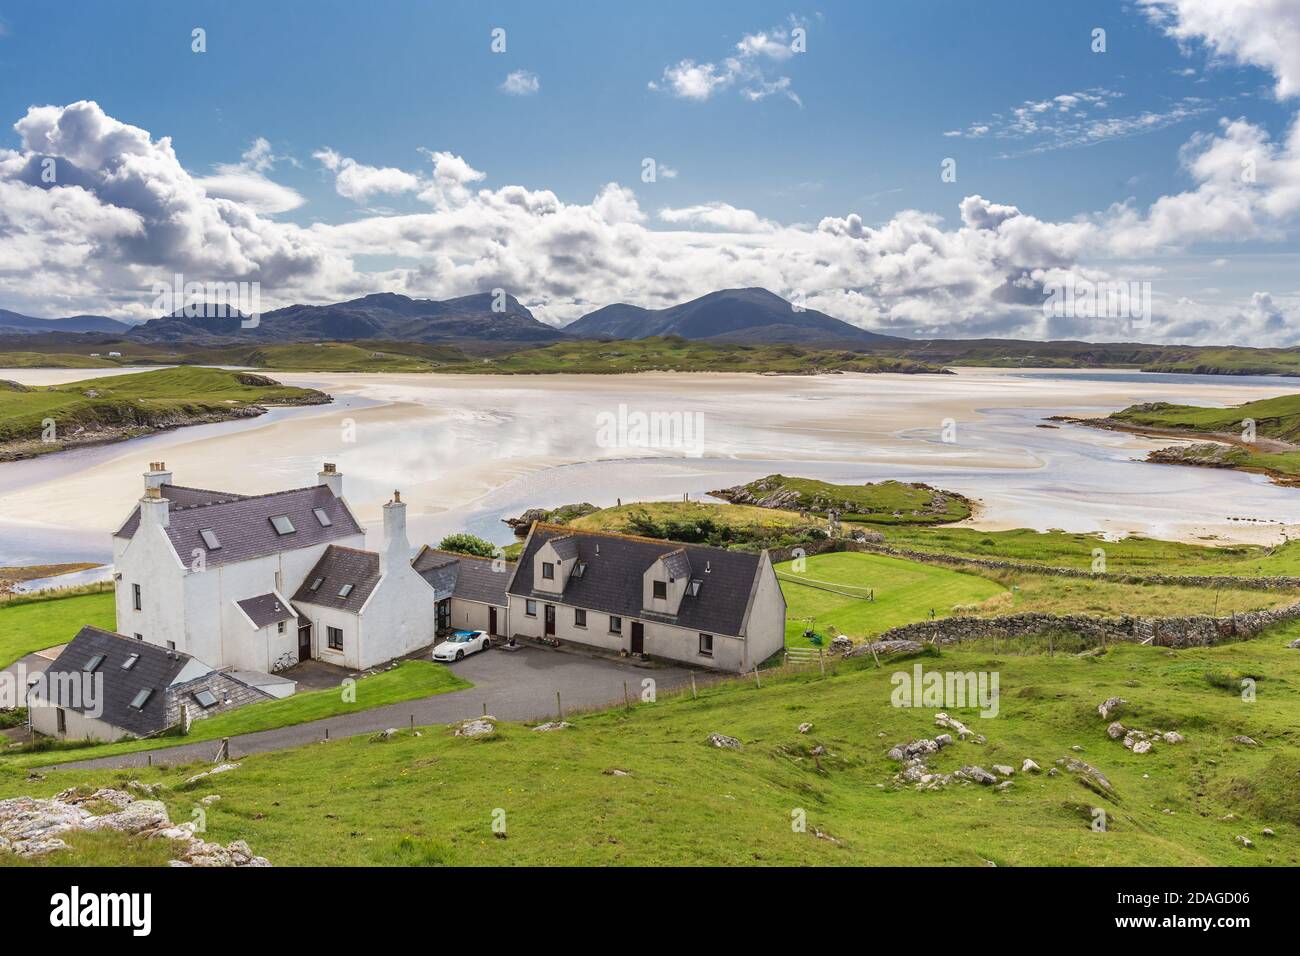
(754, 316)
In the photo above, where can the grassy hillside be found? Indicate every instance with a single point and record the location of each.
(27, 626)
(678, 800)
(1277, 418)
(882, 502)
(53, 360)
(121, 406)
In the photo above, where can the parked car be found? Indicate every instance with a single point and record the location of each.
(461, 643)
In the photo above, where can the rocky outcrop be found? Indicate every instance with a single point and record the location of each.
(724, 742)
(31, 826)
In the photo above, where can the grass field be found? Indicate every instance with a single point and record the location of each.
(142, 400)
(27, 626)
(881, 502)
(681, 801)
(1274, 417)
(407, 681)
(904, 591)
(53, 360)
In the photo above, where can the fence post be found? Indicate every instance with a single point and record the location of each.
(693, 697)
(757, 683)
(559, 710)
(627, 705)
(821, 659)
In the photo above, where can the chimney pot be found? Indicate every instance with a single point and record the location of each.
(397, 496)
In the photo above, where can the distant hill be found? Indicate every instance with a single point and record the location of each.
(14, 322)
(749, 316)
(384, 316)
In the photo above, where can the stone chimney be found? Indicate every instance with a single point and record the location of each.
(154, 508)
(157, 475)
(396, 547)
(331, 477)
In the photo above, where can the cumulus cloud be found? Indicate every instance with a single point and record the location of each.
(246, 182)
(359, 182)
(717, 215)
(520, 83)
(746, 69)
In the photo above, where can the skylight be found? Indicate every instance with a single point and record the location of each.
(322, 517)
(282, 524)
(316, 583)
(93, 663)
(142, 698)
(345, 590)
(578, 570)
(206, 698)
(210, 538)
(130, 662)
(695, 586)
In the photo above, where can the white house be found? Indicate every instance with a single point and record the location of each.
(207, 573)
(706, 606)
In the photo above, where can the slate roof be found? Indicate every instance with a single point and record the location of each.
(266, 609)
(612, 580)
(463, 576)
(677, 563)
(565, 546)
(156, 668)
(243, 523)
(339, 566)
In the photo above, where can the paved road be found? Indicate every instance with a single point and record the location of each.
(517, 685)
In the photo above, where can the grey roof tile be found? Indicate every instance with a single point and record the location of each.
(612, 580)
(265, 609)
(466, 577)
(337, 567)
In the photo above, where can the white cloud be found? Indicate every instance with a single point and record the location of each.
(1262, 33)
(246, 182)
(358, 182)
(717, 215)
(745, 69)
(520, 83)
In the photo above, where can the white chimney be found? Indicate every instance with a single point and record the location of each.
(157, 475)
(396, 548)
(154, 508)
(332, 478)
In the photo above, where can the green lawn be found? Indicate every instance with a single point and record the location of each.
(407, 681)
(1274, 417)
(361, 801)
(27, 626)
(905, 591)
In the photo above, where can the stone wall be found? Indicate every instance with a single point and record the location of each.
(1260, 583)
(1176, 632)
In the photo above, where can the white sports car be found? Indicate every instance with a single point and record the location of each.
(460, 644)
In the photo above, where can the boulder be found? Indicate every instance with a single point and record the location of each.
(723, 741)
(477, 727)
(1142, 747)
(221, 768)
(1002, 770)
(804, 728)
(1110, 706)
(1245, 841)
(1172, 737)
(979, 775)
(1115, 730)
(1029, 766)
(136, 818)
(553, 725)
(1244, 741)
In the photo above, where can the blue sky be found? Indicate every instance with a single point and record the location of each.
(853, 126)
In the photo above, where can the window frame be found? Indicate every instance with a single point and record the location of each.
(530, 608)
(612, 628)
(137, 597)
(330, 631)
(659, 590)
(548, 570)
(580, 617)
(706, 637)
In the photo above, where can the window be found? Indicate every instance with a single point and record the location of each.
(661, 590)
(335, 638)
(282, 524)
(578, 571)
(548, 570)
(280, 627)
(135, 596)
(93, 663)
(706, 645)
(579, 617)
(345, 590)
(530, 608)
(142, 698)
(316, 583)
(322, 517)
(130, 661)
(694, 586)
(615, 625)
(139, 637)
(206, 699)
(210, 538)
(63, 721)
(171, 645)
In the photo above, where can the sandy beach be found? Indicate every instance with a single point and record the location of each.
(468, 450)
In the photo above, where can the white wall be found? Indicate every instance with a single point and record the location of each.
(765, 624)
(45, 720)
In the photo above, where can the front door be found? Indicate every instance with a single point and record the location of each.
(442, 621)
(304, 641)
(492, 622)
(638, 637)
(550, 620)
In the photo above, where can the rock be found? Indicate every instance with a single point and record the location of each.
(615, 772)
(1244, 741)
(1245, 841)
(1029, 766)
(210, 799)
(1295, 645)
(1172, 737)
(1142, 747)
(979, 775)
(1089, 774)
(725, 742)
(240, 853)
(1002, 770)
(1076, 748)
(222, 768)
(913, 749)
(956, 726)
(1115, 730)
(477, 727)
(1110, 706)
(840, 645)
(553, 725)
(148, 789)
(943, 740)
(804, 728)
(135, 818)
(1268, 831)
(818, 751)
(1004, 785)
(383, 735)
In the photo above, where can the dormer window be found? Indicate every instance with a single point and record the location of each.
(210, 539)
(548, 571)
(661, 590)
(322, 517)
(282, 524)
